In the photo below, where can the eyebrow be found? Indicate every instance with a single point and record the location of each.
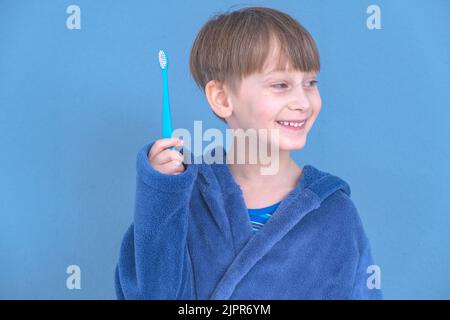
(266, 75)
(274, 71)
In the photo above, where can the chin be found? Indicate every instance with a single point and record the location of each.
(291, 142)
(290, 145)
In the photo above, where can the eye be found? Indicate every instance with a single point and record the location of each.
(279, 84)
(312, 83)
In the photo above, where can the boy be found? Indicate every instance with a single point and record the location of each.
(206, 231)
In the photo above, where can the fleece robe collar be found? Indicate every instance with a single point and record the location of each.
(223, 195)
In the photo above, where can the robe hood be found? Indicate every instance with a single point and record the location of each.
(217, 182)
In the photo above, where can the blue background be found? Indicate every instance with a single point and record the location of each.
(77, 105)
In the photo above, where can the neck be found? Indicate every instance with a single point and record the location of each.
(250, 174)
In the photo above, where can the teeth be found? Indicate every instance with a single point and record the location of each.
(292, 124)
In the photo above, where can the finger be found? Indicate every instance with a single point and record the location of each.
(175, 166)
(167, 156)
(162, 144)
(171, 167)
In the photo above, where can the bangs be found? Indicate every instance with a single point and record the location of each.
(274, 48)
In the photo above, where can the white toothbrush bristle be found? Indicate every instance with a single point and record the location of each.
(162, 59)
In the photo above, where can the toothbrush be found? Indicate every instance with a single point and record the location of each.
(166, 118)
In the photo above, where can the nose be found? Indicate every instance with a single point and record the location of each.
(300, 100)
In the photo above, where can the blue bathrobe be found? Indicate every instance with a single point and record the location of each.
(191, 238)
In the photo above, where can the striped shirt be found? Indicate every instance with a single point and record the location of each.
(258, 217)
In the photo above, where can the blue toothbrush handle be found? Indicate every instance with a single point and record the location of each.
(166, 117)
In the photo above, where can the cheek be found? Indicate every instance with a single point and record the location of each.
(270, 105)
(252, 113)
(316, 103)
(262, 109)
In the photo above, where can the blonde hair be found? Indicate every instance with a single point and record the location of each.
(235, 44)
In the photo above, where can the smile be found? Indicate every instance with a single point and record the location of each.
(293, 125)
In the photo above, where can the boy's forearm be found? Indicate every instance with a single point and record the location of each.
(160, 232)
(162, 264)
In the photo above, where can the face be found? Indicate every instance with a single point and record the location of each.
(277, 100)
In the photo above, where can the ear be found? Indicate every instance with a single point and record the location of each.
(218, 99)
